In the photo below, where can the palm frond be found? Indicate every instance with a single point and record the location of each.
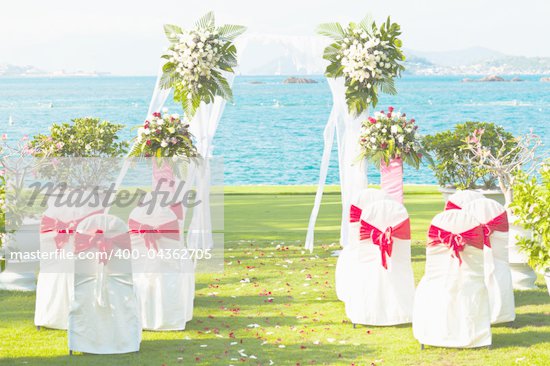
(388, 86)
(366, 23)
(172, 30)
(332, 30)
(207, 21)
(229, 32)
(223, 89)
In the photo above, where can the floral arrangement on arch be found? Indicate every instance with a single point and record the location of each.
(367, 56)
(388, 136)
(164, 135)
(195, 60)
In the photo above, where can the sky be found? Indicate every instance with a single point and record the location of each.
(126, 37)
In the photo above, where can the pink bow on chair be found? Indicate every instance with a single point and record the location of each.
(152, 233)
(385, 239)
(63, 229)
(354, 213)
(451, 206)
(103, 243)
(499, 223)
(456, 242)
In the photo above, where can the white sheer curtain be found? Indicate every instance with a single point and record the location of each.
(203, 127)
(353, 174)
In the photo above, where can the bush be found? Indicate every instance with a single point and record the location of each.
(531, 204)
(452, 162)
(85, 137)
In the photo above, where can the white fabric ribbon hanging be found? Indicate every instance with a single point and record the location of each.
(353, 175)
(203, 127)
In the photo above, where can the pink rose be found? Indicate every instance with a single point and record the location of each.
(372, 120)
(390, 109)
(148, 142)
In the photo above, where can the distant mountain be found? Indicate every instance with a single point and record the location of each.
(13, 70)
(455, 58)
(475, 61)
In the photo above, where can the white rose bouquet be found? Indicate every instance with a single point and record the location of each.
(195, 60)
(391, 135)
(368, 58)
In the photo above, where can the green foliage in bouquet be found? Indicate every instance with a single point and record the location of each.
(451, 157)
(367, 56)
(531, 204)
(195, 60)
(85, 137)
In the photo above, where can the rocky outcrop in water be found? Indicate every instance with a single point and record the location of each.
(294, 80)
(545, 80)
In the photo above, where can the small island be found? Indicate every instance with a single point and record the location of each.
(545, 79)
(295, 80)
(491, 78)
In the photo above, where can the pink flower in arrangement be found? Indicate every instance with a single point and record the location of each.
(382, 111)
(412, 120)
(25, 137)
(4, 136)
(390, 109)
(156, 114)
(404, 115)
(148, 142)
(383, 145)
(372, 120)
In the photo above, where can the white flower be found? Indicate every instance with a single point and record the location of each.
(163, 143)
(373, 139)
(164, 110)
(393, 129)
(401, 138)
(87, 147)
(378, 125)
(175, 116)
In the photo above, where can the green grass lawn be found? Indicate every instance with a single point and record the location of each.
(288, 313)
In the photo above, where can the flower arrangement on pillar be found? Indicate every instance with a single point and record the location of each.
(196, 60)
(367, 56)
(388, 140)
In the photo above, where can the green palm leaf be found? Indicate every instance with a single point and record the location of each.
(207, 21)
(332, 30)
(388, 86)
(229, 32)
(367, 23)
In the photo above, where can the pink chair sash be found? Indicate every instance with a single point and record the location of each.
(177, 209)
(451, 206)
(63, 229)
(456, 242)
(384, 239)
(103, 243)
(354, 213)
(499, 223)
(152, 233)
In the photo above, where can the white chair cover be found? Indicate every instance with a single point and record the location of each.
(165, 286)
(104, 316)
(460, 198)
(498, 277)
(380, 296)
(451, 307)
(54, 288)
(344, 274)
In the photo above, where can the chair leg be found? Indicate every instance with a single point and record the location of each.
(38, 327)
(422, 346)
(354, 325)
(70, 352)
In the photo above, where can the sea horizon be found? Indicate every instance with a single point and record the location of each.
(272, 133)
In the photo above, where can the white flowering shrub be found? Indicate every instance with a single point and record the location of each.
(391, 135)
(368, 58)
(195, 60)
(164, 135)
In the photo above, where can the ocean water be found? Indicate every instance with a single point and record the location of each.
(273, 132)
